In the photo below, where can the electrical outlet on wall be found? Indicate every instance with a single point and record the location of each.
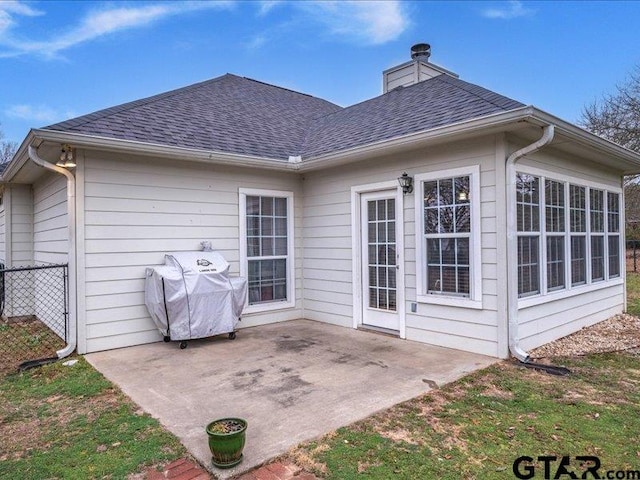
(414, 307)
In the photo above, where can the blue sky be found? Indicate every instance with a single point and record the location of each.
(64, 59)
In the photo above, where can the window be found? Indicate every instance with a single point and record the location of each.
(596, 211)
(613, 233)
(266, 247)
(528, 225)
(578, 228)
(554, 214)
(574, 240)
(448, 227)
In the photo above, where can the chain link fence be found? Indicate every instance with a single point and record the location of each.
(34, 314)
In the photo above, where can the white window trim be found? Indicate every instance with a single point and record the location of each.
(244, 265)
(475, 261)
(589, 286)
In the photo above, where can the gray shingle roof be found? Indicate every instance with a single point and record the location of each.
(239, 115)
(229, 113)
(436, 102)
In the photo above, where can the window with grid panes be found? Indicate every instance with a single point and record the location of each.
(613, 233)
(528, 227)
(381, 244)
(596, 215)
(267, 248)
(582, 230)
(447, 233)
(554, 228)
(578, 234)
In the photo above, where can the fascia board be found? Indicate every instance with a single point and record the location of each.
(19, 159)
(580, 135)
(146, 149)
(417, 139)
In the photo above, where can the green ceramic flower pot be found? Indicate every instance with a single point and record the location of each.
(226, 441)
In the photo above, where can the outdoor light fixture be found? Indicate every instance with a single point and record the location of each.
(66, 157)
(462, 196)
(406, 182)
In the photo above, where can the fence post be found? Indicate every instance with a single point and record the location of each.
(635, 263)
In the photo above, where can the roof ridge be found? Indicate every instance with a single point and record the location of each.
(456, 83)
(290, 90)
(106, 112)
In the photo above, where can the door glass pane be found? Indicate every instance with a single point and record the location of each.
(381, 253)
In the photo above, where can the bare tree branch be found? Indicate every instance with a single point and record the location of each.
(7, 149)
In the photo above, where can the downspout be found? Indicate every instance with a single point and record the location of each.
(71, 220)
(512, 240)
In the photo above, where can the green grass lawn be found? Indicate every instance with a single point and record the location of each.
(633, 293)
(59, 422)
(71, 423)
(477, 426)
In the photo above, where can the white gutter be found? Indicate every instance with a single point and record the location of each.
(476, 126)
(512, 240)
(162, 151)
(71, 219)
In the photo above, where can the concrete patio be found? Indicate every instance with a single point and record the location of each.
(291, 381)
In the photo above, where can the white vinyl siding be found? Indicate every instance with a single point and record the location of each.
(138, 209)
(21, 225)
(50, 229)
(50, 242)
(328, 254)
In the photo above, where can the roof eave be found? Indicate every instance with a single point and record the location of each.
(575, 133)
(417, 139)
(139, 148)
(493, 122)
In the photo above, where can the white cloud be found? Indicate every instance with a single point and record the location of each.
(513, 9)
(11, 8)
(96, 24)
(267, 5)
(37, 113)
(370, 22)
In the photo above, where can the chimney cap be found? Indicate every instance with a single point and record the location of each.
(421, 50)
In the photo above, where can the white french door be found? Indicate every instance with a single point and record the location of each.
(380, 259)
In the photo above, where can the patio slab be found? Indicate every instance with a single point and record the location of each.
(291, 381)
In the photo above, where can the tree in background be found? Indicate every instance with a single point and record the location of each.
(7, 149)
(616, 117)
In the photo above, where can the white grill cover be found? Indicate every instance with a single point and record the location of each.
(195, 292)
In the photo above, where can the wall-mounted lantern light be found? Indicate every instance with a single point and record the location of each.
(66, 157)
(406, 182)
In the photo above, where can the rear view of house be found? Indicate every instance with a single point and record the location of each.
(439, 211)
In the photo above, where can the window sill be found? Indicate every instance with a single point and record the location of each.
(560, 294)
(450, 301)
(267, 307)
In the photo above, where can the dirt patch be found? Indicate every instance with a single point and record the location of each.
(621, 332)
(20, 431)
(493, 391)
(399, 435)
(306, 458)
